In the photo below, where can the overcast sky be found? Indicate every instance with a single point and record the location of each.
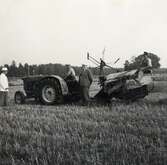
(62, 31)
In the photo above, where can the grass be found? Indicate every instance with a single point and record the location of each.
(117, 133)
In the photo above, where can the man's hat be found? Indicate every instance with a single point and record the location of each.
(4, 69)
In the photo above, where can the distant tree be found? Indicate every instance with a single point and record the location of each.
(34, 69)
(40, 69)
(51, 69)
(26, 69)
(13, 69)
(137, 62)
(31, 70)
(21, 71)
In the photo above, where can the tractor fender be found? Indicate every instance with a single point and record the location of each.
(61, 82)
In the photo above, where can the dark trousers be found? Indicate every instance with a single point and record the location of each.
(85, 94)
(3, 98)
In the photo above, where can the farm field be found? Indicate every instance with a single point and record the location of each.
(118, 133)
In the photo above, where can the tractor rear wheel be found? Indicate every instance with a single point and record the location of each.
(50, 92)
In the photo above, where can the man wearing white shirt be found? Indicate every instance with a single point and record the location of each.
(147, 62)
(4, 87)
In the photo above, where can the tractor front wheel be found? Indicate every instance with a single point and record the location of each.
(19, 97)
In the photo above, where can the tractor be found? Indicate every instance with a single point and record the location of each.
(48, 89)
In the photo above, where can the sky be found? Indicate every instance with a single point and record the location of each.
(63, 31)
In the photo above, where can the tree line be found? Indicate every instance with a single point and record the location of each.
(22, 70)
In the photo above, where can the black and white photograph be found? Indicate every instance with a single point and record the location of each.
(83, 82)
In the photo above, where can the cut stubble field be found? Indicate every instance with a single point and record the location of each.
(118, 133)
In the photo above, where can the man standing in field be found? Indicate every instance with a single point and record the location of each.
(4, 87)
(85, 80)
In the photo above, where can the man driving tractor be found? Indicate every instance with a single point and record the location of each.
(70, 73)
